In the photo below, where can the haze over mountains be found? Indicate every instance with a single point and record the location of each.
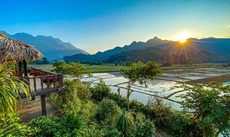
(51, 48)
(193, 51)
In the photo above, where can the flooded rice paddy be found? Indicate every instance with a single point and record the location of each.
(164, 87)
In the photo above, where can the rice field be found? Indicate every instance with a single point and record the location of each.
(165, 86)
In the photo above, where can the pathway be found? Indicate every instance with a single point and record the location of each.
(32, 109)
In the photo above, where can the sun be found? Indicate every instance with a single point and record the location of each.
(182, 37)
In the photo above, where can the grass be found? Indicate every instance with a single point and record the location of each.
(46, 67)
(103, 68)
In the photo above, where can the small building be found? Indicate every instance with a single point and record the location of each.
(22, 53)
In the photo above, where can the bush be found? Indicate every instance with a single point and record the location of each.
(143, 126)
(73, 91)
(100, 91)
(106, 110)
(173, 122)
(65, 125)
(9, 125)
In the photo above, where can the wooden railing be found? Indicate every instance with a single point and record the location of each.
(44, 85)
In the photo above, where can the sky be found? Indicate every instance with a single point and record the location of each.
(98, 25)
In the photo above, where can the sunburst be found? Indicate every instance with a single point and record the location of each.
(182, 37)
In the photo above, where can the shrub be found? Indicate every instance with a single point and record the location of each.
(65, 125)
(106, 110)
(100, 91)
(73, 91)
(143, 126)
(9, 125)
(173, 122)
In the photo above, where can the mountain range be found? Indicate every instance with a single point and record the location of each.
(51, 48)
(193, 50)
(155, 49)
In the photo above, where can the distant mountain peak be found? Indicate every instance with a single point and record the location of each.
(52, 48)
(134, 42)
(23, 34)
(156, 38)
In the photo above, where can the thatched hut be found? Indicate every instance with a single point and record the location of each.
(17, 51)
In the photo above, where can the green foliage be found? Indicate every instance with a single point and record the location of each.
(9, 125)
(99, 130)
(60, 67)
(65, 125)
(100, 91)
(143, 126)
(83, 90)
(9, 87)
(148, 54)
(44, 60)
(65, 96)
(140, 72)
(107, 110)
(209, 104)
(73, 69)
(74, 90)
(124, 121)
(173, 122)
(83, 109)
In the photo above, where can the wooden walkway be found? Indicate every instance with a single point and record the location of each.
(32, 109)
(41, 86)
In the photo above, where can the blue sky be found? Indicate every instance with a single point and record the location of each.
(98, 25)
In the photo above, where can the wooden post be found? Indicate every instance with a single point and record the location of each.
(27, 81)
(118, 91)
(41, 83)
(25, 68)
(60, 79)
(43, 104)
(48, 82)
(20, 69)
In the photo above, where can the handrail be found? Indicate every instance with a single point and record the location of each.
(46, 84)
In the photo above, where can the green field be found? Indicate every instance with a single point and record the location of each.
(103, 68)
(88, 68)
(46, 67)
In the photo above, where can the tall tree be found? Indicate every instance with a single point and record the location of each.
(140, 72)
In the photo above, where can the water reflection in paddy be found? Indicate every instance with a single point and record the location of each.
(162, 86)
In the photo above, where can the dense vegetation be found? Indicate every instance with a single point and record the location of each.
(44, 60)
(96, 111)
(149, 54)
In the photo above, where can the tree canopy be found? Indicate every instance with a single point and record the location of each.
(140, 72)
(209, 104)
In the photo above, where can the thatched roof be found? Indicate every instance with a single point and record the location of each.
(16, 50)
